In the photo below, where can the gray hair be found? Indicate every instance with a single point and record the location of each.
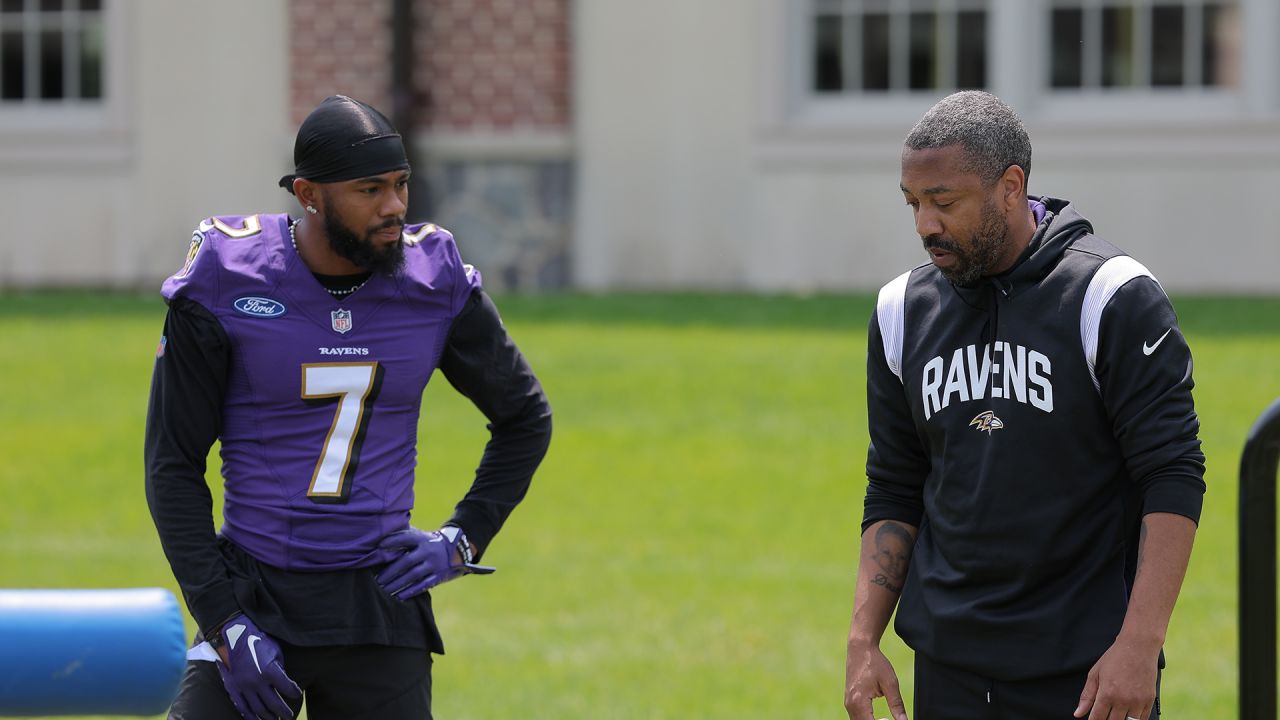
(990, 132)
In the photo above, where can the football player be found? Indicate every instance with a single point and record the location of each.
(303, 346)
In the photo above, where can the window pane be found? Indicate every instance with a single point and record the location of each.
(971, 50)
(12, 66)
(51, 65)
(1067, 30)
(921, 72)
(828, 74)
(1166, 45)
(10, 5)
(1117, 46)
(90, 5)
(91, 60)
(875, 51)
(1221, 45)
(51, 5)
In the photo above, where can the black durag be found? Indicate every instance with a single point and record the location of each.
(345, 139)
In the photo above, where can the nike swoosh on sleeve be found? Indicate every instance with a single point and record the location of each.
(1148, 349)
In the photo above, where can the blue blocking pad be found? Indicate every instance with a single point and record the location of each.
(89, 652)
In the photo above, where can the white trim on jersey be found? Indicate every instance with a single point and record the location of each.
(1112, 275)
(891, 315)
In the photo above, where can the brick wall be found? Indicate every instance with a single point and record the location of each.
(494, 64)
(483, 65)
(339, 47)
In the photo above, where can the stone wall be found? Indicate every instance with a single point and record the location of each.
(511, 218)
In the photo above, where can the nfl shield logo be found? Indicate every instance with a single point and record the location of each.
(341, 320)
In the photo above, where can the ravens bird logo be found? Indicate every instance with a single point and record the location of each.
(986, 420)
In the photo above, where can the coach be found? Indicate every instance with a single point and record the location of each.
(1035, 476)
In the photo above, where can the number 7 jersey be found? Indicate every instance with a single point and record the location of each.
(320, 416)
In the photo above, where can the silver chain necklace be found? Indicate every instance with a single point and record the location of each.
(293, 240)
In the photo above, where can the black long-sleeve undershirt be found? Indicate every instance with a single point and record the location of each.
(184, 419)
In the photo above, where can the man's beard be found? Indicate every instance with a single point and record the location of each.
(362, 251)
(984, 252)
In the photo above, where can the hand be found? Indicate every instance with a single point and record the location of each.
(869, 675)
(429, 558)
(1122, 684)
(252, 672)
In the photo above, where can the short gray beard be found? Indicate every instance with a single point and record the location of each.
(988, 244)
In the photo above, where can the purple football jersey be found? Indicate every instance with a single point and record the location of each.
(320, 418)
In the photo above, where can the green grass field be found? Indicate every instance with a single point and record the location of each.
(686, 551)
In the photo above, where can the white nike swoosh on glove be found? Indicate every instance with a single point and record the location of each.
(253, 640)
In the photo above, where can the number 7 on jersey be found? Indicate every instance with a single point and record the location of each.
(355, 386)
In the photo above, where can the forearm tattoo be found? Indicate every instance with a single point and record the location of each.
(893, 555)
(883, 581)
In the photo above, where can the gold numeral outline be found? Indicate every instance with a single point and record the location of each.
(355, 393)
(249, 227)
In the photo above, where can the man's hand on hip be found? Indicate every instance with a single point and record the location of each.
(427, 559)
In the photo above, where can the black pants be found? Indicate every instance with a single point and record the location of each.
(943, 692)
(339, 683)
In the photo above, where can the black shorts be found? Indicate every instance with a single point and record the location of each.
(943, 692)
(353, 682)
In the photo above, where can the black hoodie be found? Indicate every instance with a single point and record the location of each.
(1025, 425)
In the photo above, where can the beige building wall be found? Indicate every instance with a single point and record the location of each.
(695, 161)
(195, 124)
(702, 165)
(665, 134)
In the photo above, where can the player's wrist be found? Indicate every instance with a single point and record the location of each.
(864, 639)
(1146, 640)
(214, 636)
(464, 547)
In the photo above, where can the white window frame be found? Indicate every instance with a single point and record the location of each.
(32, 22)
(42, 134)
(1092, 70)
(899, 53)
(799, 127)
(1137, 103)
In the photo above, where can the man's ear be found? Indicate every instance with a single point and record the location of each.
(1013, 188)
(307, 192)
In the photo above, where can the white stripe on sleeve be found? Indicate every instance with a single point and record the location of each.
(1112, 275)
(891, 314)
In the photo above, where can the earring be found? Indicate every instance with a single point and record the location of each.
(311, 209)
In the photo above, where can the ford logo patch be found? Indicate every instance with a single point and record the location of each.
(259, 307)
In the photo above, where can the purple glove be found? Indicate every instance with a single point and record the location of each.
(429, 559)
(253, 674)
